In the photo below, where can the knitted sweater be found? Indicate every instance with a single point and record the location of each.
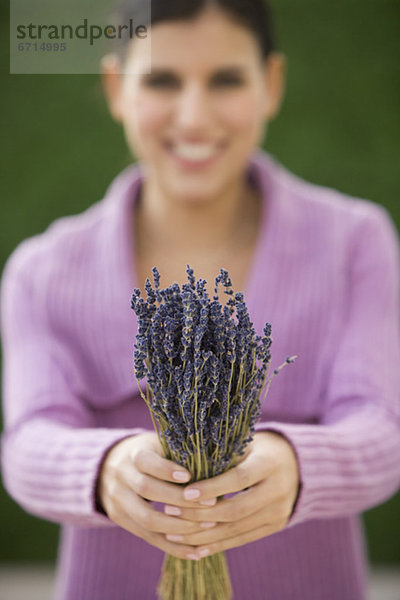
(325, 273)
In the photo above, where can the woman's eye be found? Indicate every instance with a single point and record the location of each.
(161, 82)
(227, 81)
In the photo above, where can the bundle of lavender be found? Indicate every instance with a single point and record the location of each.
(206, 372)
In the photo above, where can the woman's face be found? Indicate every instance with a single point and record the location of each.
(201, 112)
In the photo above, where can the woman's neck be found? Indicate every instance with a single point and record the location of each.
(191, 228)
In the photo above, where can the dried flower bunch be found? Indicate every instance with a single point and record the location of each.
(206, 372)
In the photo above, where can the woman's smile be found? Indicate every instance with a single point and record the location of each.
(194, 155)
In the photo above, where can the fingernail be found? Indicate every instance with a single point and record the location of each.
(211, 502)
(175, 538)
(204, 553)
(207, 525)
(191, 494)
(180, 476)
(192, 557)
(174, 511)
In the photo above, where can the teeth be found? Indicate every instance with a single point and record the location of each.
(194, 151)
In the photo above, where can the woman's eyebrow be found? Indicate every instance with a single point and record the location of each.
(231, 70)
(222, 70)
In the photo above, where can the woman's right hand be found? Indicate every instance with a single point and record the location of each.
(134, 472)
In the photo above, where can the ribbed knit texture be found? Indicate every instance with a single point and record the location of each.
(325, 273)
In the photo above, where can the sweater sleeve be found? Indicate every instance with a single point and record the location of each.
(349, 461)
(51, 448)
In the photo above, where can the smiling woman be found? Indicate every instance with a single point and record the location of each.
(199, 114)
(79, 448)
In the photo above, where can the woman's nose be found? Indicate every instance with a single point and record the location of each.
(193, 108)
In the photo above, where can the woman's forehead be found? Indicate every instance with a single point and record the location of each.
(212, 38)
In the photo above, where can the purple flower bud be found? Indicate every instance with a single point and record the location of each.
(191, 278)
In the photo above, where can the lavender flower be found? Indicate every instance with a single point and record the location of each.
(205, 367)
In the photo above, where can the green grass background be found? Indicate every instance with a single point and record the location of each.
(339, 127)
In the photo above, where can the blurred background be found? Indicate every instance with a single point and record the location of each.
(339, 127)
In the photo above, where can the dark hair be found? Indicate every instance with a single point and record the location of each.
(253, 14)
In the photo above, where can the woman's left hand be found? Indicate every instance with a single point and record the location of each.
(267, 480)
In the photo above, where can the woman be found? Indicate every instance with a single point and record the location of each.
(321, 267)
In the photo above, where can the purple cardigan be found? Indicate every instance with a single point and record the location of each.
(325, 273)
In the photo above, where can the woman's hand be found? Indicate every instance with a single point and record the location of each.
(134, 471)
(268, 482)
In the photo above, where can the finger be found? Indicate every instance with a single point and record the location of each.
(154, 489)
(150, 462)
(226, 510)
(246, 503)
(250, 471)
(150, 519)
(239, 540)
(157, 539)
(275, 515)
(177, 550)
